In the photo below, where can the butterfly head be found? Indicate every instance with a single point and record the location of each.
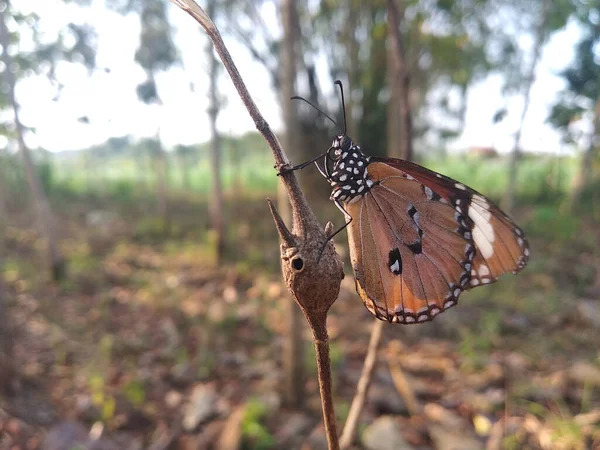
(341, 143)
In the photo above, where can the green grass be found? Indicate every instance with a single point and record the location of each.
(540, 179)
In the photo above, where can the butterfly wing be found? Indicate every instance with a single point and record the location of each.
(500, 244)
(411, 252)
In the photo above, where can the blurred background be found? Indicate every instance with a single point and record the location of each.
(141, 303)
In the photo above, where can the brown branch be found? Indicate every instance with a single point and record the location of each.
(312, 270)
(401, 383)
(358, 402)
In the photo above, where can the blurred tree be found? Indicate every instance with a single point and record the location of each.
(265, 45)
(185, 155)
(234, 157)
(447, 47)
(399, 144)
(155, 54)
(293, 358)
(12, 69)
(542, 17)
(6, 344)
(3, 200)
(216, 198)
(579, 104)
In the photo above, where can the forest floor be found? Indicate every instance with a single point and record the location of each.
(149, 345)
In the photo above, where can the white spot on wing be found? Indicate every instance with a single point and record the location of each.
(395, 267)
(480, 199)
(460, 186)
(483, 270)
(428, 193)
(483, 232)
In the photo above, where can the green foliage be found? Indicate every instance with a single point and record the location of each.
(478, 342)
(135, 392)
(549, 223)
(100, 398)
(45, 175)
(254, 433)
(582, 77)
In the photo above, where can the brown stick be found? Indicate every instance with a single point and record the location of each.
(311, 268)
(358, 402)
(321, 340)
(402, 385)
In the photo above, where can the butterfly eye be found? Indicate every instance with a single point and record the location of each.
(345, 143)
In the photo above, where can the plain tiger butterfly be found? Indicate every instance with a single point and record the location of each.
(417, 238)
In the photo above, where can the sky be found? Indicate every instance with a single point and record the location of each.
(109, 99)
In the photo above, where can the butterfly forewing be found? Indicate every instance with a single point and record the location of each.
(410, 250)
(500, 244)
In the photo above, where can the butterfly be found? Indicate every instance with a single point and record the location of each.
(417, 238)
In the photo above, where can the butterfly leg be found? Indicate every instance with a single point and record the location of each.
(299, 166)
(348, 218)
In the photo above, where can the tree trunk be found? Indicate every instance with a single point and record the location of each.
(352, 50)
(7, 372)
(3, 203)
(216, 199)
(3, 225)
(293, 358)
(236, 181)
(162, 173)
(584, 177)
(395, 15)
(43, 213)
(513, 165)
(184, 166)
(394, 129)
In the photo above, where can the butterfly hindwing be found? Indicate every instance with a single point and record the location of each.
(500, 244)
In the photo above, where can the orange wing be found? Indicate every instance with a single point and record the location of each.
(500, 244)
(412, 253)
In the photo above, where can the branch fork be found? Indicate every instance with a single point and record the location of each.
(311, 268)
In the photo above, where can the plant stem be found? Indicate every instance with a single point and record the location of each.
(318, 324)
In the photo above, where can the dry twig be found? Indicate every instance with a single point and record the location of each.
(349, 432)
(312, 279)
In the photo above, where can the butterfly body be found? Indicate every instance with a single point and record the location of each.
(348, 177)
(417, 239)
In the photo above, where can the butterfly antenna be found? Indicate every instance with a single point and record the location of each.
(339, 83)
(296, 97)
